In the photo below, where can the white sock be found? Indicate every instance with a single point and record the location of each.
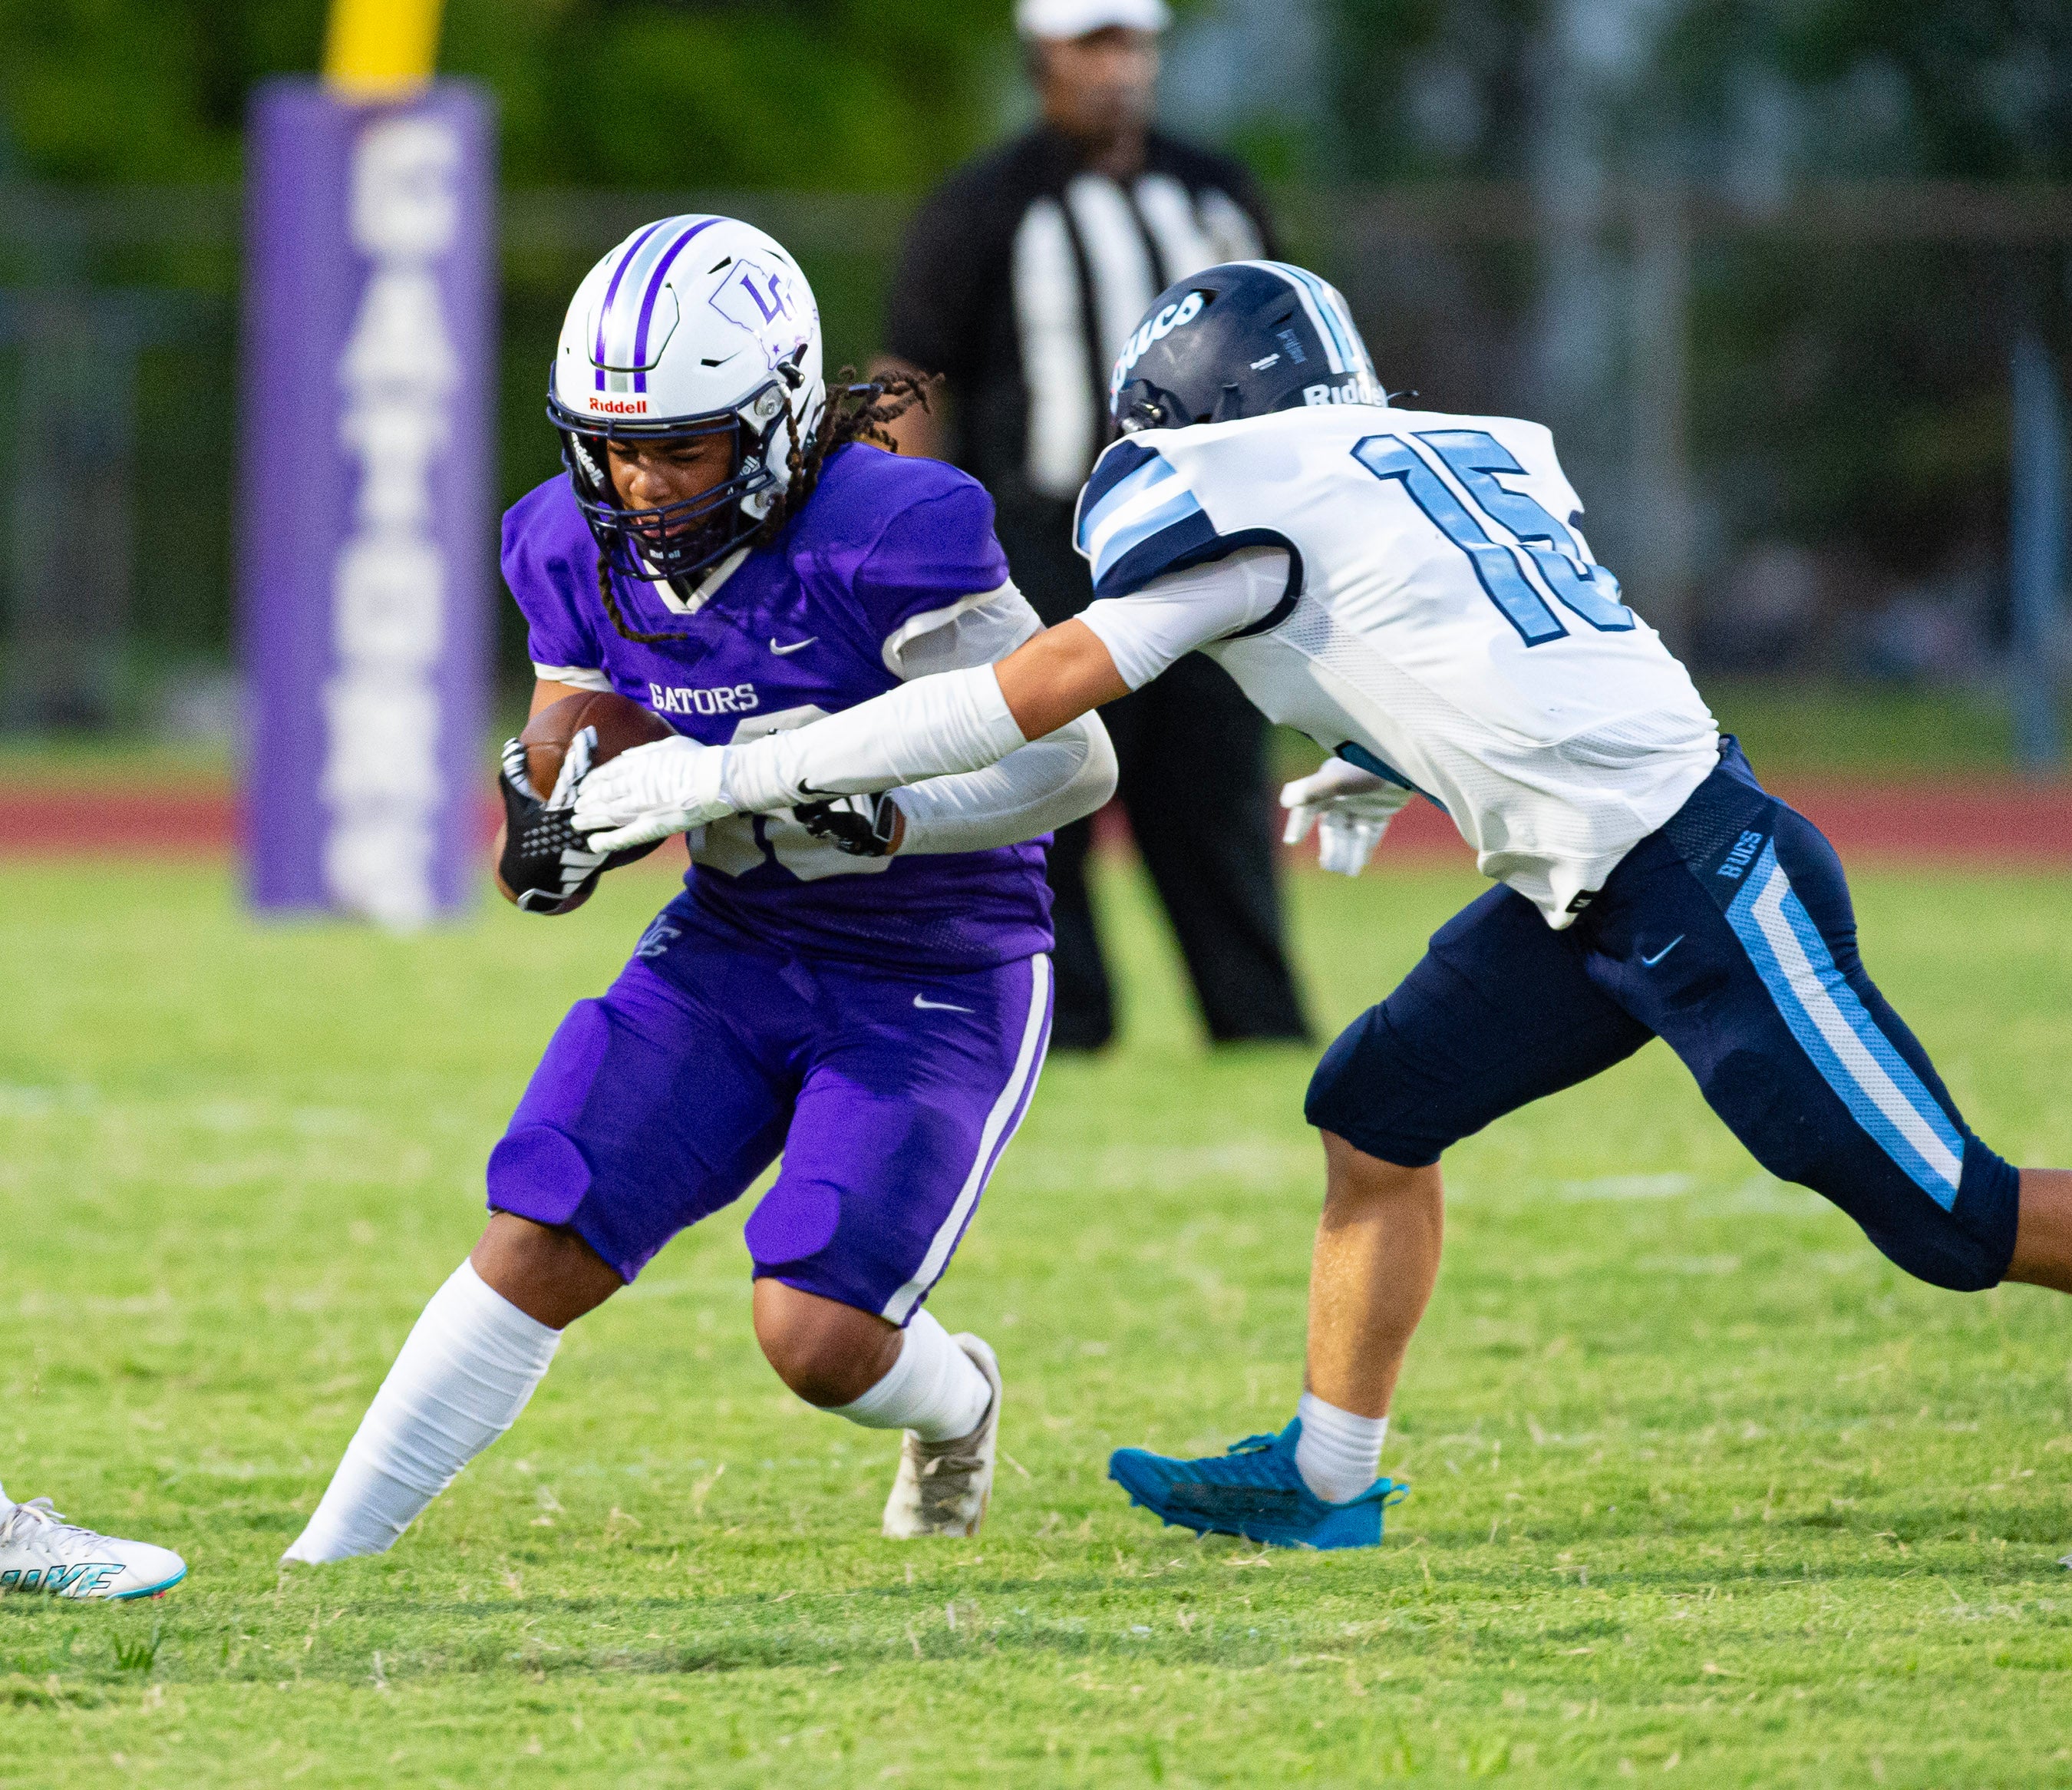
(1337, 1454)
(933, 1388)
(466, 1370)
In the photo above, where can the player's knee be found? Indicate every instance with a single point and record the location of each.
(1965, 1248)
(1361, 1093)
(829, 1353)
(1948, 1255)
(550, 1274)
(1358, 1183)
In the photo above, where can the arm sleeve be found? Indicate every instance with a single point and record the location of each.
(956, 722)
(1170, 616)
(578, 678)
(932, 727)
(1048, 783)
(978, 630)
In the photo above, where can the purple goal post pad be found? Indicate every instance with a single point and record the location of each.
(367, 524)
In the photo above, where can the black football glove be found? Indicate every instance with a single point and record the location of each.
(861, 826)
(546, 864)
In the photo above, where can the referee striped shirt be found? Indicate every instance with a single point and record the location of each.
(1024, 273)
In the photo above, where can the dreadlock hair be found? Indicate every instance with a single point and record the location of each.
(856, 410)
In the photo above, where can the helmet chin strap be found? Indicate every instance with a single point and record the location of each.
(799, 438)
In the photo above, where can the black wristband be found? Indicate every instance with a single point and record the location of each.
(860, 834)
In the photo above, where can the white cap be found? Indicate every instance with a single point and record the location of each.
(1056, 19)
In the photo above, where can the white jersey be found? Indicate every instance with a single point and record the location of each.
(1413, 591)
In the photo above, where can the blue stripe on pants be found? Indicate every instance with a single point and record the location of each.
(1855, 1058)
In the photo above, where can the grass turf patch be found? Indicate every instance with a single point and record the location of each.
(1702, 1484)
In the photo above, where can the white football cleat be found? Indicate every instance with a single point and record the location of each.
(943, 1487)
(40, 1551)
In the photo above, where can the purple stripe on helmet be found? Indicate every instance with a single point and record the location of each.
(612, 292)
(655, 291)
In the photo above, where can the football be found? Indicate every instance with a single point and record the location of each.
(621, 724)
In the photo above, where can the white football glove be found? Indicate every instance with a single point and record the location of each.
(1350, 808)
(667, 786)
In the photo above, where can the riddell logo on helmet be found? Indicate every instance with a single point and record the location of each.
(619, 406)
(1347, 393)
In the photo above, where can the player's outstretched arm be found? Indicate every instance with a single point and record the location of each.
(1063, 673)
(939, 726)
(956, 722)
(1048, 783)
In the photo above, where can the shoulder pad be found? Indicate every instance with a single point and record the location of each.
(1138, 519)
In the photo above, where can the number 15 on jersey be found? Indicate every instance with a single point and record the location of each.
(1475, 457)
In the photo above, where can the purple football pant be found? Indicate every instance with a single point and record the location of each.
(890, 1097)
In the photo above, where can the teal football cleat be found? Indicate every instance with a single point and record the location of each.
(1254, 1490)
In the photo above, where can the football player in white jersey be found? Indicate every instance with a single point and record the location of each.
(1413, 591)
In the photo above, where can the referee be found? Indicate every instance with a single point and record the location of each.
(1018, 281)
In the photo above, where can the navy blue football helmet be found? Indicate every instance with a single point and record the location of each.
(1240, 339)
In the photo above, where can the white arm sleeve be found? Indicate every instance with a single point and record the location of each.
(1148, 629)
(978, 630)
(932, 727)
(1046, 784)
(578, 678)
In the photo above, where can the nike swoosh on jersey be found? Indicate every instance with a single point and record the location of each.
(1649, 963)
(922, 1002)
(796, 646)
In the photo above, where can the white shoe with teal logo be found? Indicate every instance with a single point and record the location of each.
(40, 1551)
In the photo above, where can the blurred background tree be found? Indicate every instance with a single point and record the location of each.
(839, 94)
(1748, 89)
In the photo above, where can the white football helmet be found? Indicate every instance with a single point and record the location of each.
(692, 326)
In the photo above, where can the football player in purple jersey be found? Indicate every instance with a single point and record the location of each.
(861, 984)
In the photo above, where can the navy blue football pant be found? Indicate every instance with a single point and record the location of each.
(1730, 935)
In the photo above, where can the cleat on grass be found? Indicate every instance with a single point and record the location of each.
(1254, 1491)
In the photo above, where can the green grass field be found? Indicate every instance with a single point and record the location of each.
(1702, 1487)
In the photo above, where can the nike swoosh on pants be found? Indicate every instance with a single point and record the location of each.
(941, 1007)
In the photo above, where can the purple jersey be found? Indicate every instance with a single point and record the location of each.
(801, 629)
